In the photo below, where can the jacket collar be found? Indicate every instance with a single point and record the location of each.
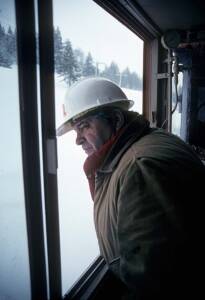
(135, 129)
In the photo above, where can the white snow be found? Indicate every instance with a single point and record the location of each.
(14, 266)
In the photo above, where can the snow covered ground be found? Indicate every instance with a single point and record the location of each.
(14, 267)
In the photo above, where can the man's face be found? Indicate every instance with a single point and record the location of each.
(92, 133)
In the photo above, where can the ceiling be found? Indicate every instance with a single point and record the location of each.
(175, 14)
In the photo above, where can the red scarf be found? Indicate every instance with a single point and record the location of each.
(94, 161)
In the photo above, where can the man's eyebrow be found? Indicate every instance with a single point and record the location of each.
(80, 123)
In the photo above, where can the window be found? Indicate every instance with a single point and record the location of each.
(100, 46)
(88, 42)
(14, 264)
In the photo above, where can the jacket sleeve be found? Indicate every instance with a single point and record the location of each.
(148, 228)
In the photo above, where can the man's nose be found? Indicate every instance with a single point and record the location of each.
(79, 139)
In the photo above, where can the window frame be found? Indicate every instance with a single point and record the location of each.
(133, 17)
(25, 24)
(43, 285)
(49, 145)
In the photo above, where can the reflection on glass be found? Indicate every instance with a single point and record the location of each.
(86, 46)
(176, 105)
(14, 265)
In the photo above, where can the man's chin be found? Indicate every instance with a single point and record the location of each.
(89, 151)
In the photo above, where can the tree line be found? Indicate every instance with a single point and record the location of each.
(71, 64)
(7, 47)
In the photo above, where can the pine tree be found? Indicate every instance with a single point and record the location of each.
(80, 58)
(5, 59)
(126, 83)
(2, 36)
(58, 50)
(89, 68)
(113, 72)
(11, 45)
(69, 68)
(135, 81)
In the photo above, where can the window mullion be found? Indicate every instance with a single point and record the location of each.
(26, 46)
(46, 55)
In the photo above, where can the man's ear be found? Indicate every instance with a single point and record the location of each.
(119, 119)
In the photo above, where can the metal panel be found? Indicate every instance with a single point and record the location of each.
(183, 14)
(150, 81)
(26, 46)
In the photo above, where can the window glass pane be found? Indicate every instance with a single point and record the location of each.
(14, 265)
(88, 42)
(177, 105)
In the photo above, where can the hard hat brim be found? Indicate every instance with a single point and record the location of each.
(67, 125)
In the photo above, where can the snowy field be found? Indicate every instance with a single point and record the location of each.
(14, 267)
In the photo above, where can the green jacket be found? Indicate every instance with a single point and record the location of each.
(147, 211)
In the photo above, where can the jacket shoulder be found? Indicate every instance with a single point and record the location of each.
(160, 146)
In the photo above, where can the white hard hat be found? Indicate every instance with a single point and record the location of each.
(89, 94)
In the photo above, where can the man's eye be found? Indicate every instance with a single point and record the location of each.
(83, 126)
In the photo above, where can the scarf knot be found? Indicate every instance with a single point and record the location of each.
(95, 160)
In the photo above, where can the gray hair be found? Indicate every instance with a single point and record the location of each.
(109, 115)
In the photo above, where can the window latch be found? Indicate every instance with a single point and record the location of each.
(52, 162)
(162, 75)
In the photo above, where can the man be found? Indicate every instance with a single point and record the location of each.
(146, 186)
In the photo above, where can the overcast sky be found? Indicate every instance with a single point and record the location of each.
(91, 28)
(7, 13)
